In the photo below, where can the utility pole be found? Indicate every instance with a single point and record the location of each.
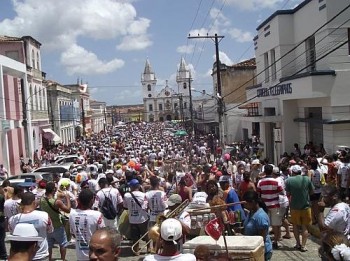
(83, 116)
(105, 124)
(191, 107)
(181, 109)
(220, 101)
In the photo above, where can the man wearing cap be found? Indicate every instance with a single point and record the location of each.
(230, 196)
(24, 242)
(135, 202)
(170, 234)
(39, 219)
(300, 187)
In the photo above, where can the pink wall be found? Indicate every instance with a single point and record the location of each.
(13, 105)
(13, 46)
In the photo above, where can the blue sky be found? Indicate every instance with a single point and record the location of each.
(106, 42)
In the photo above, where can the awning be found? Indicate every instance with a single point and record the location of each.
(51, 136)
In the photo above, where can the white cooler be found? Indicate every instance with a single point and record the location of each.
(239, 247)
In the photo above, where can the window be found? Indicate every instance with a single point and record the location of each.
(37, 61)
(150, 107)
(175, 105)
(273, 65)
(149, 95)
(149, 87)
(160, 106)
(310, 54)
(33, 59)
(266, 66)
(185, 85)
(185, 105)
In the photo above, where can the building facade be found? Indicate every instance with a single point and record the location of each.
(169, 103)
(303, 71)
(27, 50)
(98, 117)
(61, 112)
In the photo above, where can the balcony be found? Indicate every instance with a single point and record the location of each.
(35, 73)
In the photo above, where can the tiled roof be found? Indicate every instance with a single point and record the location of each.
(5, 38)
(247, 63)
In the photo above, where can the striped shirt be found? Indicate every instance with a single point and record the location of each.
(269, 189)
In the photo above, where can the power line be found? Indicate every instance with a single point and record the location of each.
(290, 51)
(320, 58)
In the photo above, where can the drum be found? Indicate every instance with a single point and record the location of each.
(239, 247)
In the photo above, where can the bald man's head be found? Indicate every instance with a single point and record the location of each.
(104, 245)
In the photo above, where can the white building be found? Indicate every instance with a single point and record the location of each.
(167, 104)
(303, 68)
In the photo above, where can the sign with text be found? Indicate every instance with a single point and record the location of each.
(275, 90)
(277, 135)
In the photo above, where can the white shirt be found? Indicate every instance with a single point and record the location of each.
(344, 171)
(283, 199)
(112, 193)
(179, 257)
(338, 217)
(83, 223)
(156, 203)
(136, 214)
(42, 224)
(11, 207)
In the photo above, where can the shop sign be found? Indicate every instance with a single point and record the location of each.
(276, 90)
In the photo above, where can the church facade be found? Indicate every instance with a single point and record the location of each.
(168, 103)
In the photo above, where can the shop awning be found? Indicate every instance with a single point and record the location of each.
(50, 135)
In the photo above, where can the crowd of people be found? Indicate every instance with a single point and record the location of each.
(141, 179)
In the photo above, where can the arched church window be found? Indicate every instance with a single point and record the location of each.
(185, 85)
(149, 87)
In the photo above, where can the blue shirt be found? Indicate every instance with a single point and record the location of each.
(232, 197)
(259, 221)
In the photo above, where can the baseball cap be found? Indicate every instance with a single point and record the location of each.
(224, 178)
(133, 183)
(295, 169)
(171, 230)
(276, 170)
(173, 200)
(24, 232)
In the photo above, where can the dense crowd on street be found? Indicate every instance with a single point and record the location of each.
(144, 181)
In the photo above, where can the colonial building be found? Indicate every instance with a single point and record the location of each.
(234, 80)
(169, 103)
(98, 118)
(27, 50)
(303, 74)
(62, 113)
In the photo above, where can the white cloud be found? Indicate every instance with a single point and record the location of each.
(224, 58)
(58, 25)
(240, 35)
(134, 42)
(254, 4)
(187, 49)
(77, 60)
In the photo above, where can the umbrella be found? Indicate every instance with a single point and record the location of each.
(180, 133)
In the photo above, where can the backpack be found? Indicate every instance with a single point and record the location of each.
(107, 209)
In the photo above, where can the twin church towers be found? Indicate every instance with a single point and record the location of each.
(168, 103)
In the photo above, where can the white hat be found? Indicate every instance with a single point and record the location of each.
(171, 229)
(295, 169)
(255, 162)
(24, 232)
